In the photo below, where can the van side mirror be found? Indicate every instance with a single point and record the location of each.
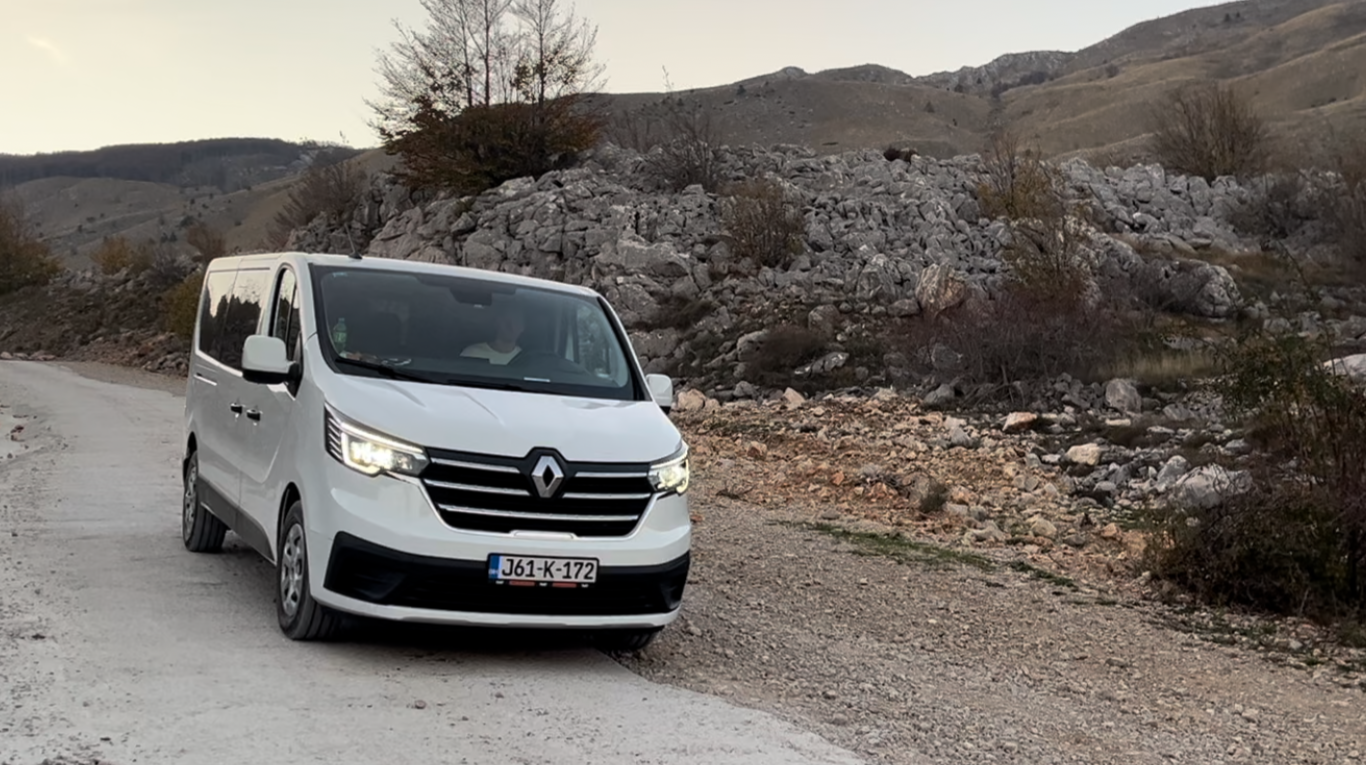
(265, 361)
(662, 390)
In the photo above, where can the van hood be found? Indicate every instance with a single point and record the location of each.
(506, 423)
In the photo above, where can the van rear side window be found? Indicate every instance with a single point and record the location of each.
(231, 312)
(214, 304)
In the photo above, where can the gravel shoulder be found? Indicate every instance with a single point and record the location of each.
(903, 649)
(913, 652)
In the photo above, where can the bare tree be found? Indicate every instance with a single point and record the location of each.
(556, 55)
(486, 52)
(1209, 130)
(490, 90)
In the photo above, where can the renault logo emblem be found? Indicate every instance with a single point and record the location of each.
(547, 476)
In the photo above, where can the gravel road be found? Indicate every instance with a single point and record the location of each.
(897, 653)
(116, 644)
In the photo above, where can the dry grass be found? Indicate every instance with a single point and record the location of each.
(1163, 368)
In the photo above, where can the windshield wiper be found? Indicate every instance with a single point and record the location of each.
(493, 385)
(388, 371)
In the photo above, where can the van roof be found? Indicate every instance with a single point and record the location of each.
(394, 264)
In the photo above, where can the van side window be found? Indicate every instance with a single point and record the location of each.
(213, 306)
(244, 313)
(285, 323)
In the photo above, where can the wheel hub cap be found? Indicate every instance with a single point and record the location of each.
(191, 505)
(292, 568)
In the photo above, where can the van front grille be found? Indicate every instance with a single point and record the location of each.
(541, 492)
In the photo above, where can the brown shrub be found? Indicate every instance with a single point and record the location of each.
(486, 145)
(180, 305)
(1346, 208)
(785, 348)
(679, 313)
(1017, 183)
(1278, 208)
(1296, 542)
(25, 260)
(1209, 130)
(207, 241)
(680, 141)
(1049, 255)
(328, 187)
(1018, 337)
(117, 253)
(765, 222)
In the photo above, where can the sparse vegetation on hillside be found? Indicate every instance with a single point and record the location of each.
(679, 138)
(1209, 130)
(765, 222)
(1294, 540)
(180, 305)
(226, 163)
(207, 241)
(117, 253)
(1049, 257)
(490, 91)
(331, 186)
(783, 349)
(1346, 208)
(24, 259)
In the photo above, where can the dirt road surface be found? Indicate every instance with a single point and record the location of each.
(116, 644)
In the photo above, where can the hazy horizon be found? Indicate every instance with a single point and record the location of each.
(105, 72)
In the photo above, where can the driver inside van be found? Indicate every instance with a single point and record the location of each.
(509, 324)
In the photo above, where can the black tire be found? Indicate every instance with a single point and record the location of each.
(632, 640)
(301, 618)
(201, 531)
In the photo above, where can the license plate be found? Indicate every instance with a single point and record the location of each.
(537, 570)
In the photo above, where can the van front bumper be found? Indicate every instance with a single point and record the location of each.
(370, 579)
(379, 548)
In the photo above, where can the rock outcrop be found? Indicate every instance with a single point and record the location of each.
(883, 238)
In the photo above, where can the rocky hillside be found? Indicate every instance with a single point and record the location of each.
(884, 241)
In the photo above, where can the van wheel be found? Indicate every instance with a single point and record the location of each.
(301, 618)
(201, 531)
(624, 640)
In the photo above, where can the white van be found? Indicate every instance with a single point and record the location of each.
(430, 443)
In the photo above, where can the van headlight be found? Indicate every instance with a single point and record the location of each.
(371, 453)
(671, 476)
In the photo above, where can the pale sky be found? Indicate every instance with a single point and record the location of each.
(80, 74)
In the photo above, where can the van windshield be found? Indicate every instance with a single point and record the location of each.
(458, 330)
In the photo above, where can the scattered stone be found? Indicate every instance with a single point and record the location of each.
(793, 399)
(1208, 486)
(1084, 454)
(1019, 421)
(1121, 395)
(1041, 527)
(940, 396)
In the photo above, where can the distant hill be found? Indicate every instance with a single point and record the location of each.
(75, 214)
(1303, 62)
(225, 164)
